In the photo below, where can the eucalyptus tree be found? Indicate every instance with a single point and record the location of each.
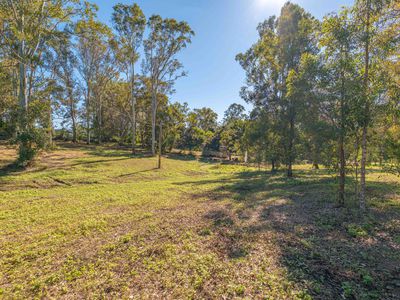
(167, 37)
(368, 15)
(91, 47)
(269, 63)
(129, 23)
(174, 121)
(233, 128)
(105, 73)
(201, 125)
(307, 84)
(64, 64)
(388, 117)
(8, 105)
(29, 28)
(342, 86)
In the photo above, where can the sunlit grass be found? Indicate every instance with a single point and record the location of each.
(98, 223)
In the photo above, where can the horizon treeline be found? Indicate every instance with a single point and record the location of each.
(323, 91)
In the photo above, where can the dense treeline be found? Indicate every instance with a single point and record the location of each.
(326, 92)
(62, 67)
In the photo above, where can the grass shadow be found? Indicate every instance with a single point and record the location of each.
(332, 252)
(10, 169)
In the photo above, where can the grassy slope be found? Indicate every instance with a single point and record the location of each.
(95, 222)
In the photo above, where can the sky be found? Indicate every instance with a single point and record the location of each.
(223, 29)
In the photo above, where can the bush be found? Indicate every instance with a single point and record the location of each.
(30, 143)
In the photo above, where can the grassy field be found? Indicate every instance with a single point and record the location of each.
(91, 222)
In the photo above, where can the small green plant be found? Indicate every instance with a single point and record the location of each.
(366, 277)
(367, 280)
(239, 290)
(126, 238)
(356, 230)
(347, 289)
(205, 232)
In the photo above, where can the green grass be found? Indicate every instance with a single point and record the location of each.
(91, 222)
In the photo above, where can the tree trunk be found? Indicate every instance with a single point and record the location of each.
(88, 116)
(50, 127)
(363, 169)
(74, 138)
(290, 149)
(100, 131)
(159, 146)
(356, 148)
(366, 114)
(23, 100)
(342, 158)
(72, 112)
(342, 171)
(133, 102)
(153, 123)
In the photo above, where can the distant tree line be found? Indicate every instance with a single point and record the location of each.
(326, 92)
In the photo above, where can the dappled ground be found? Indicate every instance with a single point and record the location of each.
(89, 221)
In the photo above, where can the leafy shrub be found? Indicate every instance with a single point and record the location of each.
(356, 230)
(30, 143)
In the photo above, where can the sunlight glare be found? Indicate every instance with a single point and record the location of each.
(273, 4)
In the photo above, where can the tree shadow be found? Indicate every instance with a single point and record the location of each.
(331, 252)
(117, 152)
(10, 169)
(137, 172)
(190, 157)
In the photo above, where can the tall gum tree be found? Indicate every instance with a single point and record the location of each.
(129, 23)
(31, 25)
(91, 44)
(368, 14)
(337, 41)
(269, 63)
(167, 37)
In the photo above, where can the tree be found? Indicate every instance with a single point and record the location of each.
(31, 26)
(269, 64)
(166, 39)
(64, 66)
(234, 112)
(337, 41)
(174, 122)
(368, 13)
(129, 22)
(233, 128)
(201, 126)
(92, 46)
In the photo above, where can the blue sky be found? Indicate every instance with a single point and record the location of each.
(223, 29)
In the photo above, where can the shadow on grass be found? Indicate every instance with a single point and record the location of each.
(190, 157)
(137, 172)
(328, 251)
(10, 169)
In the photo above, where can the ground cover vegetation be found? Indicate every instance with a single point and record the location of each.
(297, 198)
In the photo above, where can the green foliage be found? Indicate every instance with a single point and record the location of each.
(347, 289)
(30, 143)
(356, 230)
